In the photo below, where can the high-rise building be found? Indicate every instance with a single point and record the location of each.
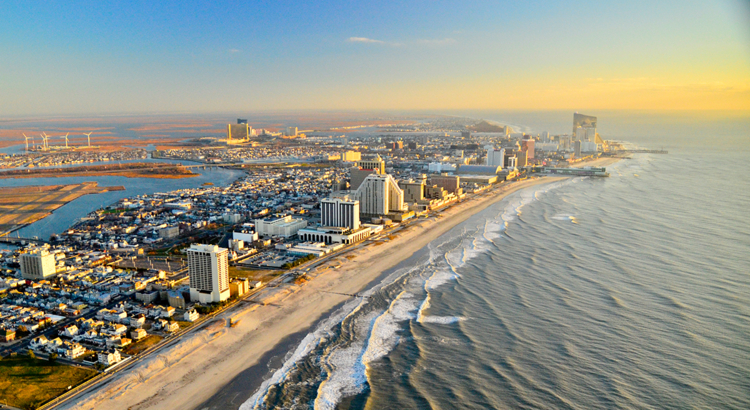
(208, 270)
(521, 159)
(341, 212)
(450, 183)
(38, 265)
(379, 194)
(241, 121)
(577, 148)
(527, 144)
(564, 142)
(495, 157)
(239, 131)
(413, 191)
(365, 168)
(584, 126)
(291, 131)
(545, 136)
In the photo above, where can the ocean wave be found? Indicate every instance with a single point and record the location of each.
(441, 319)
(348, 366)
(306, 346)
(376, 333)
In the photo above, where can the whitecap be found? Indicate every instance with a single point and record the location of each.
(441, 319)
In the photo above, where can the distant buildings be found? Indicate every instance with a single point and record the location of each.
(238, 132)
(438, 167)
(38, 265)
(527, 144)
(208, 270)
(376, 164)
(351, 156)
(479, 170)
(495, 157)
(279, 225)
(584, 127)
(291, 131)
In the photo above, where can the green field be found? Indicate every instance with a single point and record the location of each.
(28, 383)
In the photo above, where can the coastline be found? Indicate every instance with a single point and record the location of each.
(201, 365)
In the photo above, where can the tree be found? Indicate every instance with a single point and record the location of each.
(31, 354)
(52, 357)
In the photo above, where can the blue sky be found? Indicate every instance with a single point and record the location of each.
(110, 57)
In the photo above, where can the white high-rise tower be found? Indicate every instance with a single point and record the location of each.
(208, 268)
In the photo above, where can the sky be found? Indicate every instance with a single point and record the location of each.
(81, 57)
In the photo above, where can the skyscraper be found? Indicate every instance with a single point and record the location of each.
(380, 195)
(584, 126)
(527, 144)
(240, 131)
(340, 212)
(495, 157)
(208, 269)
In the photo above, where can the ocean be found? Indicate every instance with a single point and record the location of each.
(623, 292)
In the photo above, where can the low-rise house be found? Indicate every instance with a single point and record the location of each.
(172, 327)
(7, 335)
(167, 312)
(159, 324)
(138, 334)
(191, 315)
(38, 342)
(123, 342)
(137, 321)
(71, 350)
(109, 357)
(70, 331)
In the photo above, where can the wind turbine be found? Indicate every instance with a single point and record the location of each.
(66, 140)
(89, 136)
(27, 141)
(44, 141)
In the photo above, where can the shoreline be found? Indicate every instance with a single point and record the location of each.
(40, 201)
(206, 362)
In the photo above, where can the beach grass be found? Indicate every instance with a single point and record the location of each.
(142, 345)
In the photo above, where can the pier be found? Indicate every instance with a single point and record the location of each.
(641, 151)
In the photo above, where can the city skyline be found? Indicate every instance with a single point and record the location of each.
(92, 58)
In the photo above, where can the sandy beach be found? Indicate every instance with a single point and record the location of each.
(191, 372)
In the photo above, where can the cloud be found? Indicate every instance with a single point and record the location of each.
(364, 40)
(233, 50)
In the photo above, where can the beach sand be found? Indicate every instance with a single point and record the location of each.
(195, 369)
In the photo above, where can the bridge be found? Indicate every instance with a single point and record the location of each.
(19, 241)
